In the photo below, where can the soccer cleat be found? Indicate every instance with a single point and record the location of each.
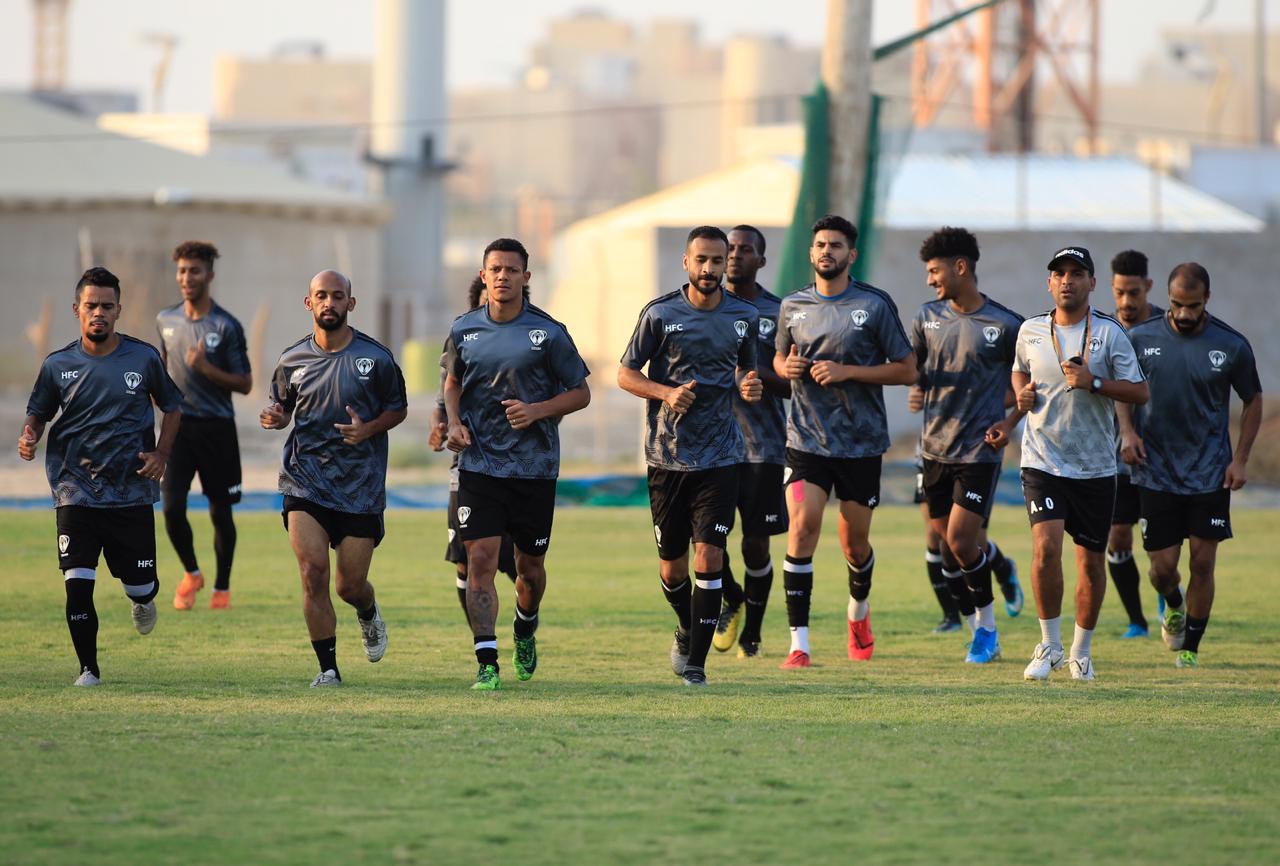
(694, 677)
(984, 648)
(221, 599)
(373, 632)
(87, 678)
(486, 679)
(947, 626)
(1081, 669)
(796, 661)
(679, 652)
(1135, 630)
(1043, 661)
(749, 649)
(144, 617)
(325, 679)
(1186, 659)
(184, 597)
(1160, 605)
(525, 657)
(1174, 628)
(1012, 592)
(727, 627)
(861, 642)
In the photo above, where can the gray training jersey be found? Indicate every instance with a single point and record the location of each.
(1139, 412)
(91, 452)
(1071, 433)
(681, 343)
(224, 346)
(858, 326)
(531, 358)
(763, 423)
(316, 386)
(1186, 433)
(964, 360)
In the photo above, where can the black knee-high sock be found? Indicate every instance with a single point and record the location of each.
(1001, 567)
(733, 592)
(1195, 631)
(933, 565)
(756, 584)
(487, 649)
(860, 577)
(178, 529)
(82, 622)
(526, 621)
(797, 581)
(959, 591)
(224, 543)
(327, 654)
(706, 613)
(1173, 598)
(461, 581)
(1124, 574)
(977, 576)
(679, 597)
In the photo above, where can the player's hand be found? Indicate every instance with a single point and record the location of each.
(1132, 451)
(915, 399)
(1235, 477)
(752, 388)
(435, 439)
(196, 358)
(153, 463)
(680, 399)
(520, 415)
(273, 417)
(997, 435)
(1027, 397)
(355, 432)
(795, 366)
(27, 443)
(828, 372)
(1077, 375)
(459, 438)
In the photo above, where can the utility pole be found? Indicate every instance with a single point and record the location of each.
(1260, 68)
(846, 72)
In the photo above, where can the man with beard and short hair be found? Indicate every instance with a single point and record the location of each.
(1182, 462)
(840, 342)
(343, 391)
(103, 459)
(699, 344)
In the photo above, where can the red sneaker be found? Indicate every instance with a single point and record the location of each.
(184, 597)
(221, 599)
(861, 642)
(797, 660)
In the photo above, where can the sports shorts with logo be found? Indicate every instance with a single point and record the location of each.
(1168, 518)
(761, 501)
(693, 506)
(1083, 504)
(456, 552)
(336, 524)
(1127, 510)
(207, 447)
(523, 508)
(972, 486)
(126, 538)
(855, 479)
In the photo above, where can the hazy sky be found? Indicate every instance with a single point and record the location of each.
(488, 39)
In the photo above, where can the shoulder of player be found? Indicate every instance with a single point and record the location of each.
(542, 315)
(293, 348)
(661, 301)
(1215, 322)
(57, 354)
(879, 294)
(805, 294)
(770, 297)
(1001, 308)
(930, 308)
(364, 339)
(1151, 327)
(1040, 321)
(224, 316)
(169, 312)
(136, 345)
(736, 306)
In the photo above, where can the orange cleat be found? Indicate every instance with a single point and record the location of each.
(184, 597)
(861, 642)
(797, 660)
(221, 599)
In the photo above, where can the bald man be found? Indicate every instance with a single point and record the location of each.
(343, 391)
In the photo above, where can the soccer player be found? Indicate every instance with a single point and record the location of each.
(764, 433)
(343, 392)
(514, 372)
(103, 459)
(1130, 285)
(1183, 464)
(840, 342)
(1072, 365)
(699, 343)
(964, 344)
(204, 351)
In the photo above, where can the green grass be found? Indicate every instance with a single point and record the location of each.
(204, 745)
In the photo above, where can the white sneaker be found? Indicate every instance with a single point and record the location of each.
(374, 632)
(325, 679)
(1081, 669)
(144, 617)
(1045, 659)
(87, 678)
(1173, 629)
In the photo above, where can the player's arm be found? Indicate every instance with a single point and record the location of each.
(241, 383)
(154, 461)
(277, 413)
(359, 430)
(1250, 423)
(775, 384)
(459, 436)
(678, 398)
(999, 433)
(1125, 392)
(521, 415)
(32, 430)
(1132, 451)
(899, 372)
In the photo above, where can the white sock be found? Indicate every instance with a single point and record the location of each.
(800, 639)
(971, 621)
(987, 617)
(1082, 643)
(1051, 632)
(858, 610)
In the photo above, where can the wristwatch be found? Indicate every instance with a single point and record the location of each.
(1096, 385)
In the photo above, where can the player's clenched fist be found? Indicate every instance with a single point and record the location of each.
(273, 417)
(459, 438)
(680, 399)
(1027, 397)
(752, 387)
(795, 366)
(27, 443)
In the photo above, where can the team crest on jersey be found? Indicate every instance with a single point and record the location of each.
(741, 327)
(132, 381)
(766, 327)
(859, 318)
(1217, 358)
(1095, 345)
(364, 365)
(463, 514)
(64, 541)
(212, 339)
(992, 333)
(537, 336)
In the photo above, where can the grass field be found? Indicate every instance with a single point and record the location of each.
(204, 745)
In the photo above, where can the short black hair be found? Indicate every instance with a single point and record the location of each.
(755, 231)
(100, 277)
(833, 222)
(1190, 272)
(202, 250)
(950, 242)
(713, 233)
(1129, 263)
(473, 292)
(506, 245)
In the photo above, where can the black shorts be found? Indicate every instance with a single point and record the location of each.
(456, 552)
(126, 537)
(1126, 512)
(693, 506)
(1168, 518)
(762, 501)
(207, 447)
(523, 508)
(336, 524)
(855, 479)
(972, 486)
(1083, 504)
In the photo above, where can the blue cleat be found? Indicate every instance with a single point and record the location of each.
(985, 647)
(1160, 605)
(1135, 630)
(1012, 592)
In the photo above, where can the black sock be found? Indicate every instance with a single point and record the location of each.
(179, 530)
(1174, 598)
(756, 588)
(327, 654)
(224, 543)
(706, 613)
(1124, 574)
(461, 580)
(797, 581)
(367, 613)
(82, 622)
(977, 576)
(959, 591)
(679, 598)
(1195, 631)
(487, 654)
(733, 592)
(1001, 567)
(933, 565)
(860, 577)
(526, 621)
